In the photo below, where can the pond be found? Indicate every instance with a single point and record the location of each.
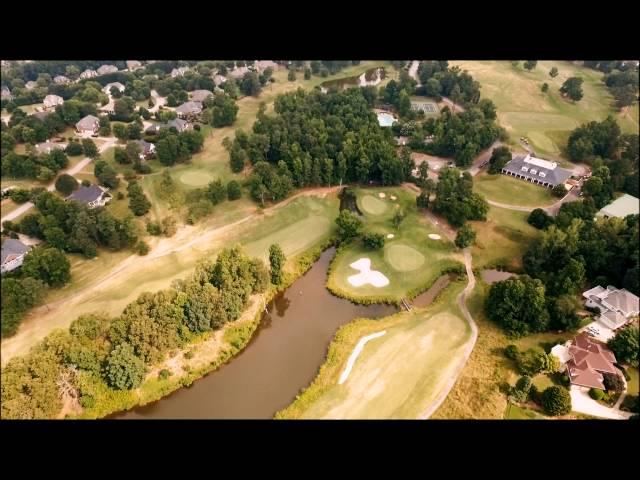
(373, 76)
(493, 276)
(283, 356)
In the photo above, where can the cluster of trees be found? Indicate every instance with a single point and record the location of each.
(200, 201)
(106, 174)
(572, 88)
(42, 167)
(324, 68)
(397, 94)
(223, 110)
(532, 361)
(173, 147)
(625, 345)
(24, 288)
(463, 135)
(139, 204)
(603, 144)
(98, 355)
(74, 228)
(439, 80)
(499, 158)
(620, 77)
(316, 139)
(350, 228)
(455, 199)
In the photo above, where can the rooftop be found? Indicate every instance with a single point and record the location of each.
(621, 207)
(86, 194)
(12, 248)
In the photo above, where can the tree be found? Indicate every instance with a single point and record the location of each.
(277, 260)
(397, 219)
(307, 73)
(124, 370)
(613, 382)
(534, 361)
(572, 87)
(624, 345)
(553, 72)
(250, 84)
(559, 190)
(291, 76)
(562, 313)
(18, 295)
(225, 111)
(47, 264)
(216, 192)
(120, 131)
(465, 236)
(349, 225)
(237, 158)
(138, 202)
(373, 241)
(544, 87)
(520, 392)
(105, 174)
(74, 149)
(499, 158)
(556, 401)
(518, 305)
(596, 393)
(66, 184)
(89, 148)
(233, 190)
(530, 64)
(540, 219)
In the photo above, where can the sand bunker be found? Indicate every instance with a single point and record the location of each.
(392, 197)
(434, 236)
(390, 235)
(366, 275)
(382, 195)
(355, 353)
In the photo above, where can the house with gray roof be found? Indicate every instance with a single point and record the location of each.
(6, 94)
(146, 149)
(133, 65)
(30, 85)
(104, 69)
(262, 65)
(617, 307)
(189, 109)
(200, 95)
(61, 79)
(92, 196)
(52, 101)
(12, 253)
(179, 124)
(535, 170)
(107, 88)
(219, 79)
(88, 73)
(179, 72)
(48, 147)
(238, 72)
(88, 124)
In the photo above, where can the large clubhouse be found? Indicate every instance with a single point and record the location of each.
(536, 170)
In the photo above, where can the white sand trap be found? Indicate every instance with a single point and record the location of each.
(392, 197)
(434, 236)
(382, 195)
(390, 235)
(366, 275)
(356, 352)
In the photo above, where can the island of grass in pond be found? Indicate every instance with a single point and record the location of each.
(411, 261)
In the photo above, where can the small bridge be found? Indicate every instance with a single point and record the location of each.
(406, 305)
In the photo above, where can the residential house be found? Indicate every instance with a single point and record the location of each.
(153, 129)
(262, 65)
(48, 147)
(88, 124)
(179, 124)
(104, 69)
(12, 253)
(41, 115)
(588, 359)
(88, 73)
(92, 196)
(200, 95)
(108, 86)
(536, 170)
(61, 79)
(621, 207)
(30, 85)
(52, 101)
(189, 110)
(146, 149)
(219, 79)
(238, 72)
(133, 65)
(179, 72)
(617, 307)
(5, 94)
(402, 140)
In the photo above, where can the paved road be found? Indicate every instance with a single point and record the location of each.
(482, 158)
(454, 106)
(413, 70)
(158, 101)
(72, 171)
(583, 403)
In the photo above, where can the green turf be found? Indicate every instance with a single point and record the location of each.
(524, 110)
(372, 205)
(632, 385)
(396, 376)
(515, 412)
(512, 191)
(196, 178)
(399, 259)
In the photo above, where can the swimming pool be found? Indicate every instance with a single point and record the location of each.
(385, 119)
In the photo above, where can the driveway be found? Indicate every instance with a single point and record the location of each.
(583, 403)
(483, 157)
(158, 101)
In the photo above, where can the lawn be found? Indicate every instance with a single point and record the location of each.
(397, 375)
(108, 283)
(502, 239)
(411, 260)
(632, 385)
(514, 412)
(512, 191)
(545, 118)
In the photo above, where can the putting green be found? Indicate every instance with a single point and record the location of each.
(402, 257)
(372, 205)
(196, 178)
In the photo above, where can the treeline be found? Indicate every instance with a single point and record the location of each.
(98, 356)
(75, 228)
(439, 80)
(42, 167)
(603, 144)
(455, 199)
(316, 139)
(25, 287)
(620, 77)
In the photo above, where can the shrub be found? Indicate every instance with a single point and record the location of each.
(20, 195)
(559, 191)
(74, 149)
(86, 183)
(189, 355)
(87, 401)
(233, 190)
(556, 401)
(154, 228)
(613, 382)
(164, 374)
(124, 370)
(120, 196)
(141, 248)
(596, 394)
(373, 241)
(511, 352)
(66, 184)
